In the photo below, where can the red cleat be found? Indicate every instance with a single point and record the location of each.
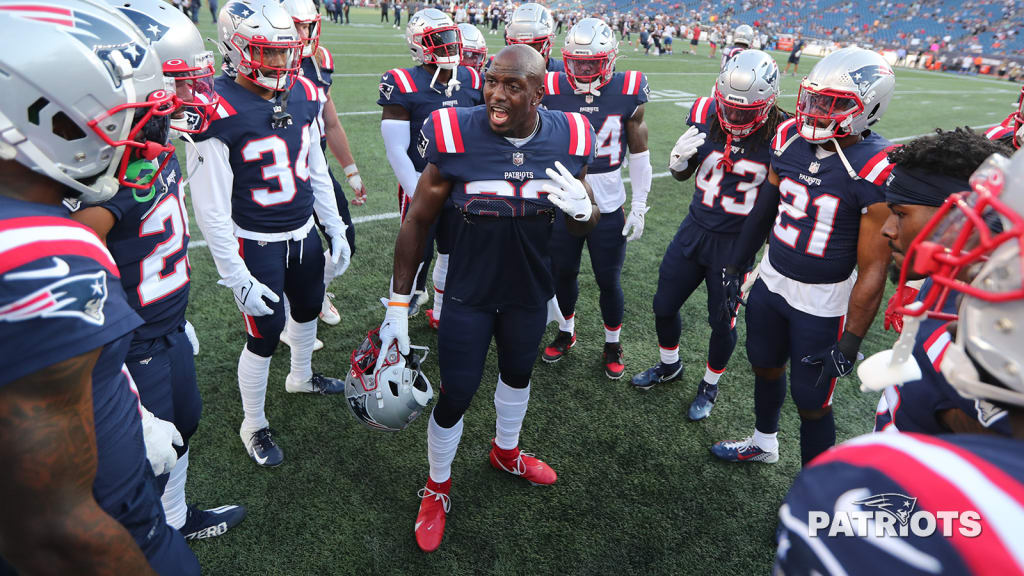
(523, 464)
(433, 321)
(612, 358)
(559, 347)
(434, 505)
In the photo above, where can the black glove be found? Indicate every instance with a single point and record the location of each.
(837, 360)
(732, 280)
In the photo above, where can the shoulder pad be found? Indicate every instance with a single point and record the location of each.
(446, 131)
(998, 132)
(223, 109)
(475, 76)
(579, 134)
(877, 168)
(32, 238)
(402, 79)
(783, 133)
(551, 84)
(632, 82)
(699, 110)
(312, 94)
(326, 60)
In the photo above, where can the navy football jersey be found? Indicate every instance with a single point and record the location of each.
(723, 198)
(149, 242)
(410, 89)
(500, 253)
(60, 297)
(322, 76)
(915, 406)
(814, 239)
(731, 51)
(607, 113)
(272, 191)
(972, 485)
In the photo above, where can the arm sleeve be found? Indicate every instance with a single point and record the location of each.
(640, 176)
(324, 202)
(211, 182)
(396, 142)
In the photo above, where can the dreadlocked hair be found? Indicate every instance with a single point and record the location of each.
(956, 153)
(767, 130)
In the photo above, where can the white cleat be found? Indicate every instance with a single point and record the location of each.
(328, 313)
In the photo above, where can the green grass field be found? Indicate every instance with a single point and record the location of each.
(638, 491)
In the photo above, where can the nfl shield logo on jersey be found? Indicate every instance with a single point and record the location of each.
(517, 158)
(813, 168)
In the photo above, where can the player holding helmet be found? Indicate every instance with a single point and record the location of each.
(731, 168)
(262, 176)
(613, 101)
(407, 97)
(972, 486)
(80, 497)
(826, 257)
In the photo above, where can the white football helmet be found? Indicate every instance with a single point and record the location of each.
(434, 39)
(1018, 121)
(306, 17)
(589, 52)
(744, 35)
(474, 47)
(83, 96)
(258, 40)
(987, 358)
(393, 396)
(531, 24)
(845, 93)
(188, 66)
(746, 91)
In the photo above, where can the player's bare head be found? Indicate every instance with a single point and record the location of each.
(513, 88)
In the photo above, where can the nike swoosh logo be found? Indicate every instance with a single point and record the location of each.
(260, 460)
(59, 269)
(746, 456)
(418, 524)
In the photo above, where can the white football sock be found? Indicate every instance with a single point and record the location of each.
(287, 317)
(767, 442)
(612, 335)
(442, 443)
(711, 377)
(568, 324)
(554, 314)
(669, 355)
(439, 276)
(252, 383)
(303, 336)
(510, 408)
(173, 497)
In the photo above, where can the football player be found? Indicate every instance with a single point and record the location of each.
(613, 101)
(925, 172)
(532, 24)
(407, 97)
(318, 66)
(474, 47)
(258, 176)
(147, 234)
(731, 169)
(79, 495)
(1010, 130)
(826, 257)
(877, 475)
(490, 161)
(742, 39)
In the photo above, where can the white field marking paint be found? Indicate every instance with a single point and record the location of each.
(393, 215)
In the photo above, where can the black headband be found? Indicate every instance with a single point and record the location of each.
(909, 186)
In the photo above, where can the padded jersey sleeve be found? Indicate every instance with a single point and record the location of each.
(393, 89)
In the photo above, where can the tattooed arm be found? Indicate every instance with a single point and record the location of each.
(50, 522)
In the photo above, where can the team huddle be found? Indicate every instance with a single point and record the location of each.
(506, 167)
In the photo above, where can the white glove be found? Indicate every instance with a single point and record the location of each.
(395, 328)
(685, 148)
(568, 193)
(249, 295)
(161, 437)
(190, 333)
(356, 183)
(341, 253)
(634, 227)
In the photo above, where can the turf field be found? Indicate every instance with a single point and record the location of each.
(638, 491)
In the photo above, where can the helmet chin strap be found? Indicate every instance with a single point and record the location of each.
(453, 82)
(590, 89)
(725, 161)
(846, 163)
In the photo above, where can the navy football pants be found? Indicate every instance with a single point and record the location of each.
(607, 247)
(463, 339)
(695, 256)
(289, 268)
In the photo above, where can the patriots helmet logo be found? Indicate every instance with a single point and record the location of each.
(238, 11)
(149, 26)
(899, 506)
(81, 296)
(866, 76)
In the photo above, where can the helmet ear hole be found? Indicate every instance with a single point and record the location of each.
(394, 387)
(65, 127)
